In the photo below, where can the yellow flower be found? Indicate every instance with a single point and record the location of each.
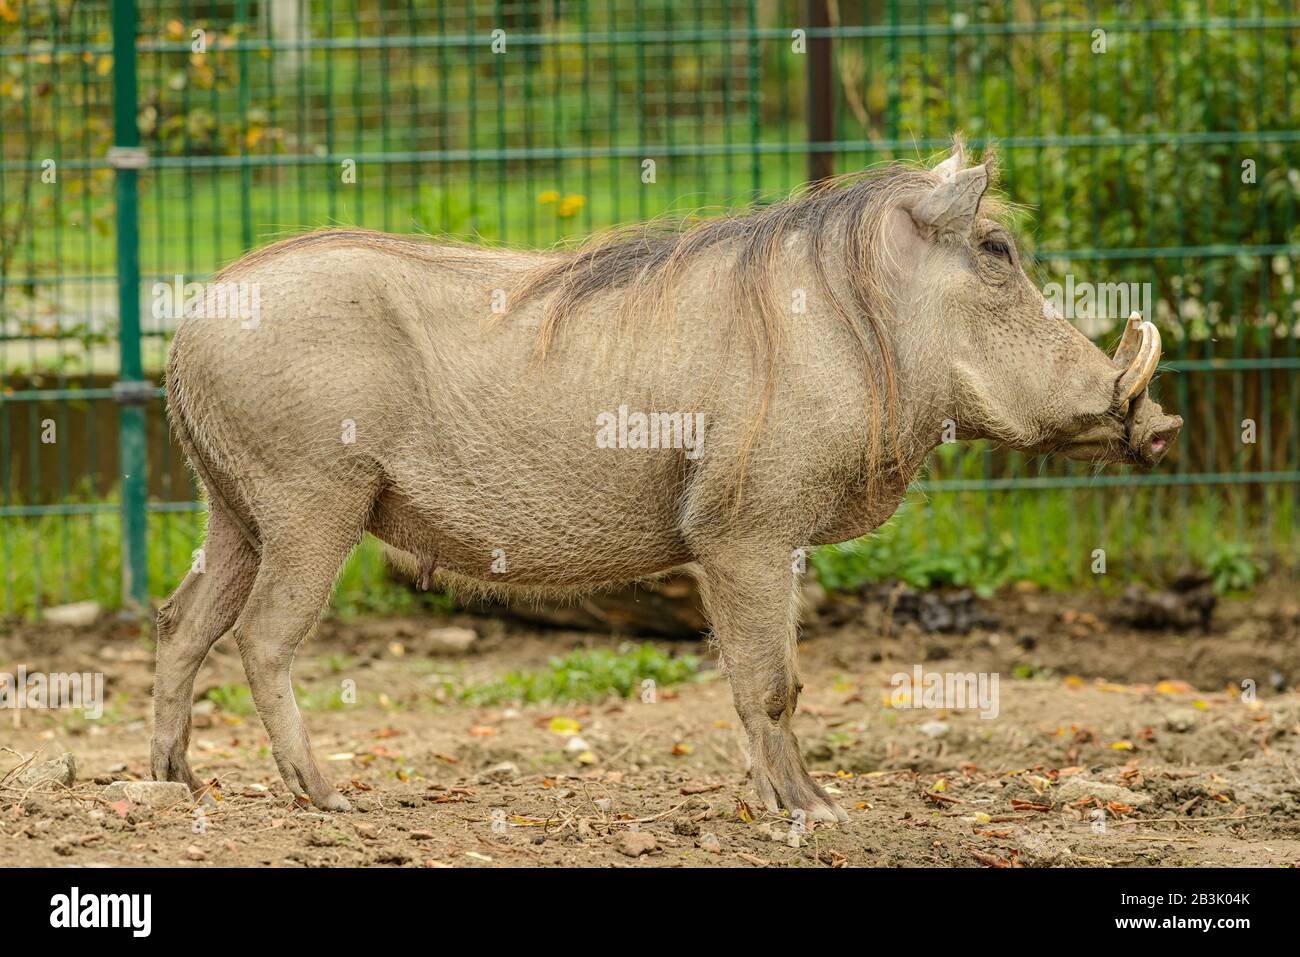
(550, 196)
(570, 205)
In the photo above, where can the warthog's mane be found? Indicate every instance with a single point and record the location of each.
(837, 226)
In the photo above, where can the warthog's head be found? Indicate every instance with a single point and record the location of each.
(1020, 373)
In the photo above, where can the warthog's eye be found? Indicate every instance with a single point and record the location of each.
(998, 248)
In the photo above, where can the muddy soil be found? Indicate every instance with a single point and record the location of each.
(1110, 747)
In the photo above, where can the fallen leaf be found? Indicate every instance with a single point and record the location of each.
(1029, 806)
(563, 725)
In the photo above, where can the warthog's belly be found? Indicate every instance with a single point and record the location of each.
(561, 542)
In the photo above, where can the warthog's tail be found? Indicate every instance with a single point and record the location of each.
(181, 426)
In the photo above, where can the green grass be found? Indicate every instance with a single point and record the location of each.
(232, 699)
(56, 559)
(588, 674)
(984, 541)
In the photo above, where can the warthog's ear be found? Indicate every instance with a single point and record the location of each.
(954, 163)
(949, 211)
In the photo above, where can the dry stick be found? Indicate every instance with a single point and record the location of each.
(1194, 820)
(1103, 860)
(1163, 837)
(655, 817)
(628, 747)
(23, 764)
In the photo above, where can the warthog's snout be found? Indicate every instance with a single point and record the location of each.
(1150, 431)
(1135, 429)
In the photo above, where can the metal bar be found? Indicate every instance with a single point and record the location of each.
(132, 462)
(821, 101)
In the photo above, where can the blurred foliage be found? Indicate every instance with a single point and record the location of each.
(984, 567)
(1233, 568)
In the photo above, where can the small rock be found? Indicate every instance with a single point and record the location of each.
(603, 803)
(62, 770)
(1079, 787)
(636, 843)
(421, 835)
(450, 641)
(148, 793)
(368, 831)
(935, 729)
(195, 853)
(686, 827)
(79, 614)
(499, 773)
(577, 744)
(709, 842)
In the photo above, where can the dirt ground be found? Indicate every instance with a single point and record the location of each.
(1112, 747)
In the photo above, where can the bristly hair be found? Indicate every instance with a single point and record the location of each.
(843, 221)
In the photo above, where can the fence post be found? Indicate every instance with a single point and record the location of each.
(821, 99)
(130, 390)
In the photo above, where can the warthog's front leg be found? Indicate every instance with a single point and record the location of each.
(751, 599)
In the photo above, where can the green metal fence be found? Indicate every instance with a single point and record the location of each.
(1151, 143)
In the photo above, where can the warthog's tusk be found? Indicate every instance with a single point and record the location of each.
(1143, 364)
(1128, 345)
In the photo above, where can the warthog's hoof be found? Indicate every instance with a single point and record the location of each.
(334, 802)
(783, 782)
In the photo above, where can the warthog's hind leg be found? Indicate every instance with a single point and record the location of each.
(199, 612)
(294, 579)
(751, 600)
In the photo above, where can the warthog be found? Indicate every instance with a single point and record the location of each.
(448, 399)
